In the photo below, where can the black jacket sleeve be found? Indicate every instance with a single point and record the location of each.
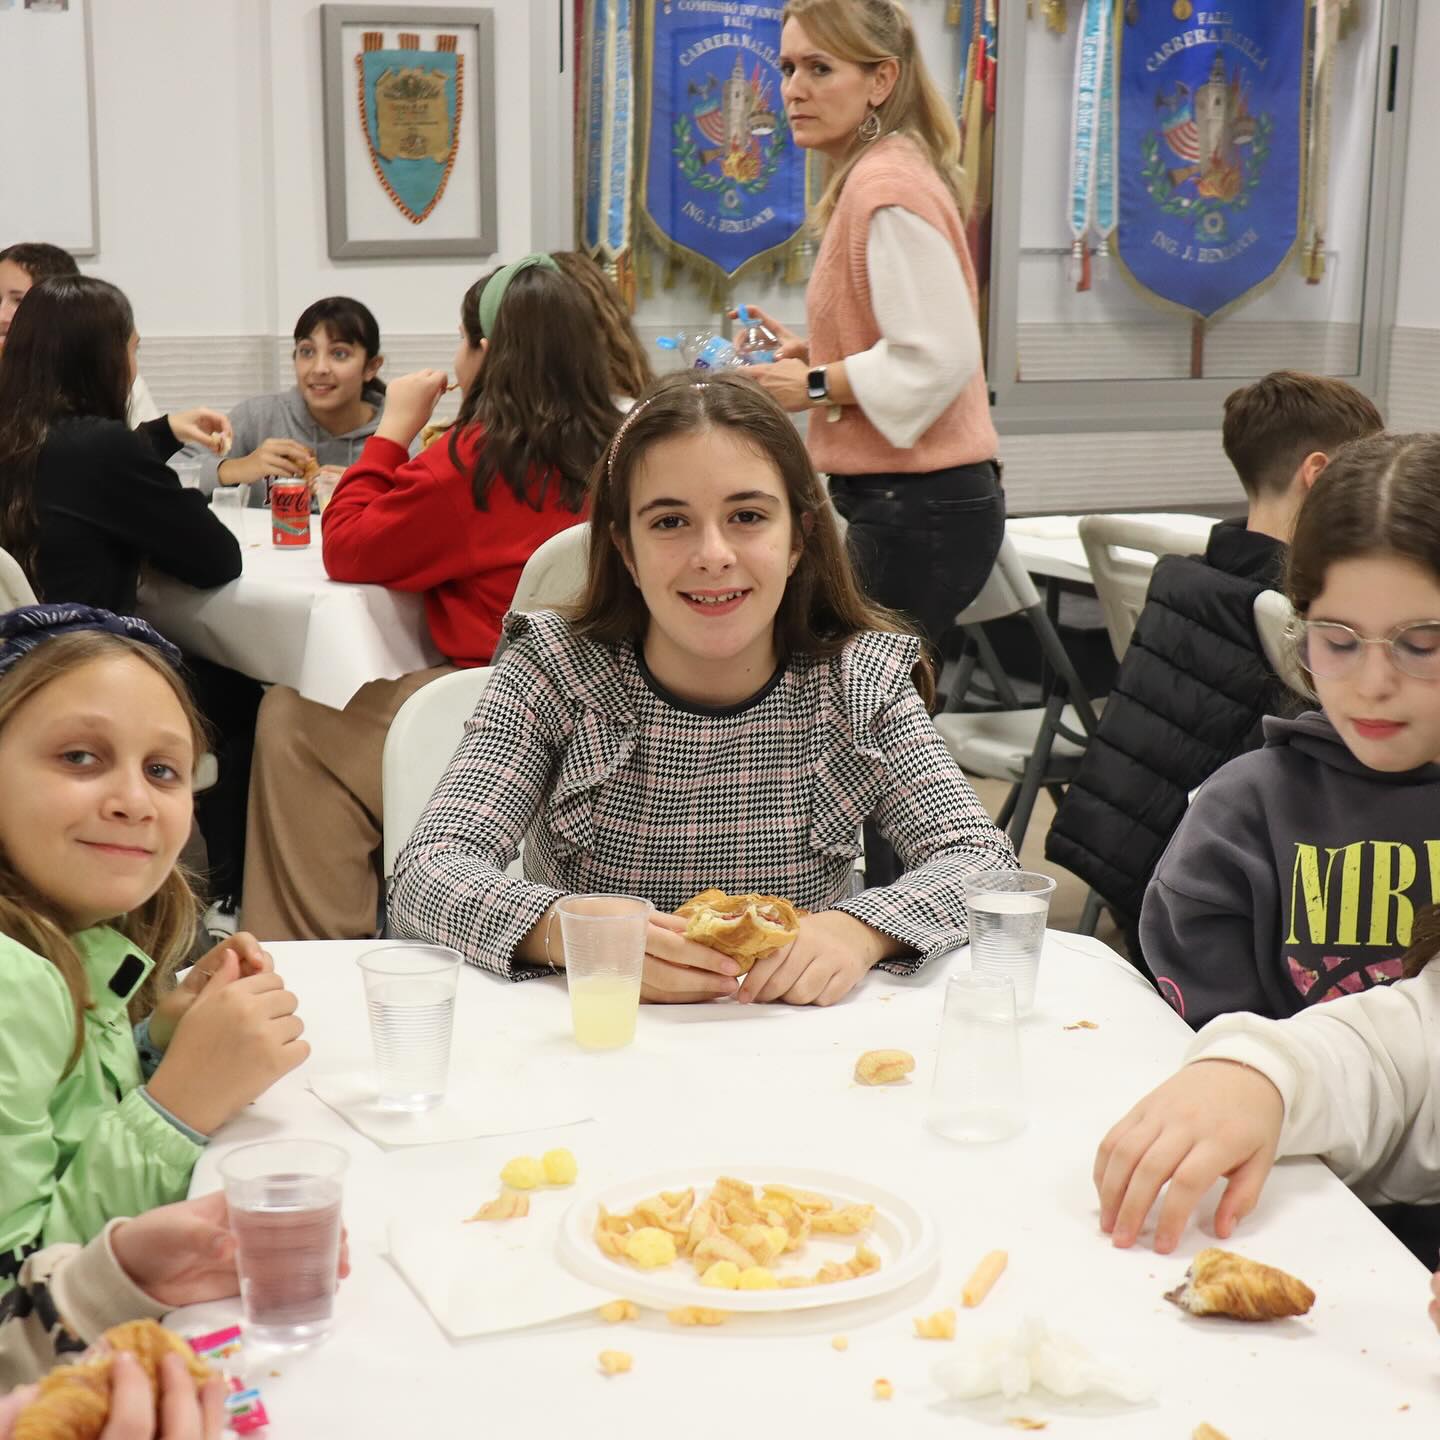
(139, 501)
(160, 435)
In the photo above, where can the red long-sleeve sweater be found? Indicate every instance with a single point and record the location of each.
(413, 525)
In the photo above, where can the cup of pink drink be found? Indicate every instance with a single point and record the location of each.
(284, 1202)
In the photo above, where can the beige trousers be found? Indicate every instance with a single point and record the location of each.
(312, 842)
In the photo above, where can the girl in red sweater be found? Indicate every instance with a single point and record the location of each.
(455, 524)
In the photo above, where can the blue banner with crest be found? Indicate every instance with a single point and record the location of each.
(1211, 147)
(724, 182)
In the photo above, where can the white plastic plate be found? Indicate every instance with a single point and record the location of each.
(906, 1239)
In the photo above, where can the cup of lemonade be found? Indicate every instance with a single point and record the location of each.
(604, 939)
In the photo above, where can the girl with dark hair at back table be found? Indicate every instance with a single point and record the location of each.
(85, 500)
(455, 524)
(330, 412)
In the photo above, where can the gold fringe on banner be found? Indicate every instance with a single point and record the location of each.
(373, 40)
(409, 41)
(445, 44)
(1055, 15)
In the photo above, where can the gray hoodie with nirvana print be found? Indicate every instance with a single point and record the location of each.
(284, 416)
(1294, 877)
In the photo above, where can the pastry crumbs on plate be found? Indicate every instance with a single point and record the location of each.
(841, 1343)
(1025, 1422)
(1083, 1025)
(883, 1389)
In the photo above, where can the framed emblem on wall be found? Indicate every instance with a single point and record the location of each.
(409, 131)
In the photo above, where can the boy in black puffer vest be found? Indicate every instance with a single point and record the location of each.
(1194, 684)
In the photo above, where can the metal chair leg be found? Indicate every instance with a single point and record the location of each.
(1090, 915)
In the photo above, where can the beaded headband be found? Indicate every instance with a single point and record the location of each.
(625, 424)
(30, 626)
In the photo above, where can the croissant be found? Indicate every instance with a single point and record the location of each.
(74, 1400)
(745, 927)
(1222, 1283)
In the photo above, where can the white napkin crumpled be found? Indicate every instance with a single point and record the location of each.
(1034, 1355)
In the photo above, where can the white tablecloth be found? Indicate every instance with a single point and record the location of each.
(285, 621)
(715, 1085)
(1050, 544)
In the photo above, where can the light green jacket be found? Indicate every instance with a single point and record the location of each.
(76, 1149)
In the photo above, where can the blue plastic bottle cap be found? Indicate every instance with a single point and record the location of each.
(743, 313)
(667, 342)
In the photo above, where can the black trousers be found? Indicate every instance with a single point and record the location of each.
(923, 545)
(228, 701)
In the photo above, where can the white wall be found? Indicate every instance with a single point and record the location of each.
(1418, 301)
(212, 195)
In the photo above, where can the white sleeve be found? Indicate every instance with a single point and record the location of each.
(929, 344)
(1359, 1079)
(142, 405)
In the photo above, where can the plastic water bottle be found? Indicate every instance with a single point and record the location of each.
(757, 344)
(703, 350)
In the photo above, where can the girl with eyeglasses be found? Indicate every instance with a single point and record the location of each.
(1307, 872)
(1298, 870)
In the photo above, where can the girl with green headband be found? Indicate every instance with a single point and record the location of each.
(455, 524)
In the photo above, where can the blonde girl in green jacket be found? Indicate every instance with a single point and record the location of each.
(98, 743)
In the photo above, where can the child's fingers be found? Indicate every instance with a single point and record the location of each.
(212, 1408)
(132, 1409)
(1242, 1194)
(1127, 1153)
(1198, 1169)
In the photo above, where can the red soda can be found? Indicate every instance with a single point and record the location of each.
(289, 512)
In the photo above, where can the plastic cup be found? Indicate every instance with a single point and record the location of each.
(284, 1201)
(187, 470)
(229, 502)
(1008, 912)
(604, 959)
(977, 1093)
(410, 993)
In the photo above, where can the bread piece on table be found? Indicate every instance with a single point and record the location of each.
(74, 1400)
(747, 928)
(1220, 1282)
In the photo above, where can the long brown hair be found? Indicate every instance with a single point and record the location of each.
(542, 395)
(630, 370)
(823, 606)
(67, 354)
(1377, 496)
(865, 32)
(164, 926)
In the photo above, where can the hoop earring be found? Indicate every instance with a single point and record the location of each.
(869, 128)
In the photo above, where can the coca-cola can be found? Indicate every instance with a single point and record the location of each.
(289, 512)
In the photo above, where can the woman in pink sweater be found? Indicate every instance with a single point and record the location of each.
(892, 365)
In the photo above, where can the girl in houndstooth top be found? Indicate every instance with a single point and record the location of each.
(722, 707)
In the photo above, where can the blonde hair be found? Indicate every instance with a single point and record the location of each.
(865, 32)
(164, 926)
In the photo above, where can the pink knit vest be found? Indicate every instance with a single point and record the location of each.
(895, 171)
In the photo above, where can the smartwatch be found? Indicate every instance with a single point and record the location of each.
(815, 385)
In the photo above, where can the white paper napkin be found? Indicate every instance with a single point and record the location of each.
(491, 1276)
(503, 1102)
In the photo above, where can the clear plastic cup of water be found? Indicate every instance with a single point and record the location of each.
(229, 502)
(187, 470)
(977, 1093)
(410, 993)
(1008, 912)
(604, 959)
(284, 1202)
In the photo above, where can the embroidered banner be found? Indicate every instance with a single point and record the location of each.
(410, 106)
(723, 182)
(607, 96)
(1212, 147)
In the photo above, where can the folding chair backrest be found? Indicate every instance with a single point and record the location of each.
(15, 589)
(1121, 581)
(1273, 619)
(555, 573)
(1008, 591)
(418, 746)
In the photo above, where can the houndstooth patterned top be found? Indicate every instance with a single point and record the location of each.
(617, 787)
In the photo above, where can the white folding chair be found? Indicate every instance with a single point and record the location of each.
(15, 587)
(1029, 747)
(555, 573)
(1122, 580)
(1274, 619)
(422, 737)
